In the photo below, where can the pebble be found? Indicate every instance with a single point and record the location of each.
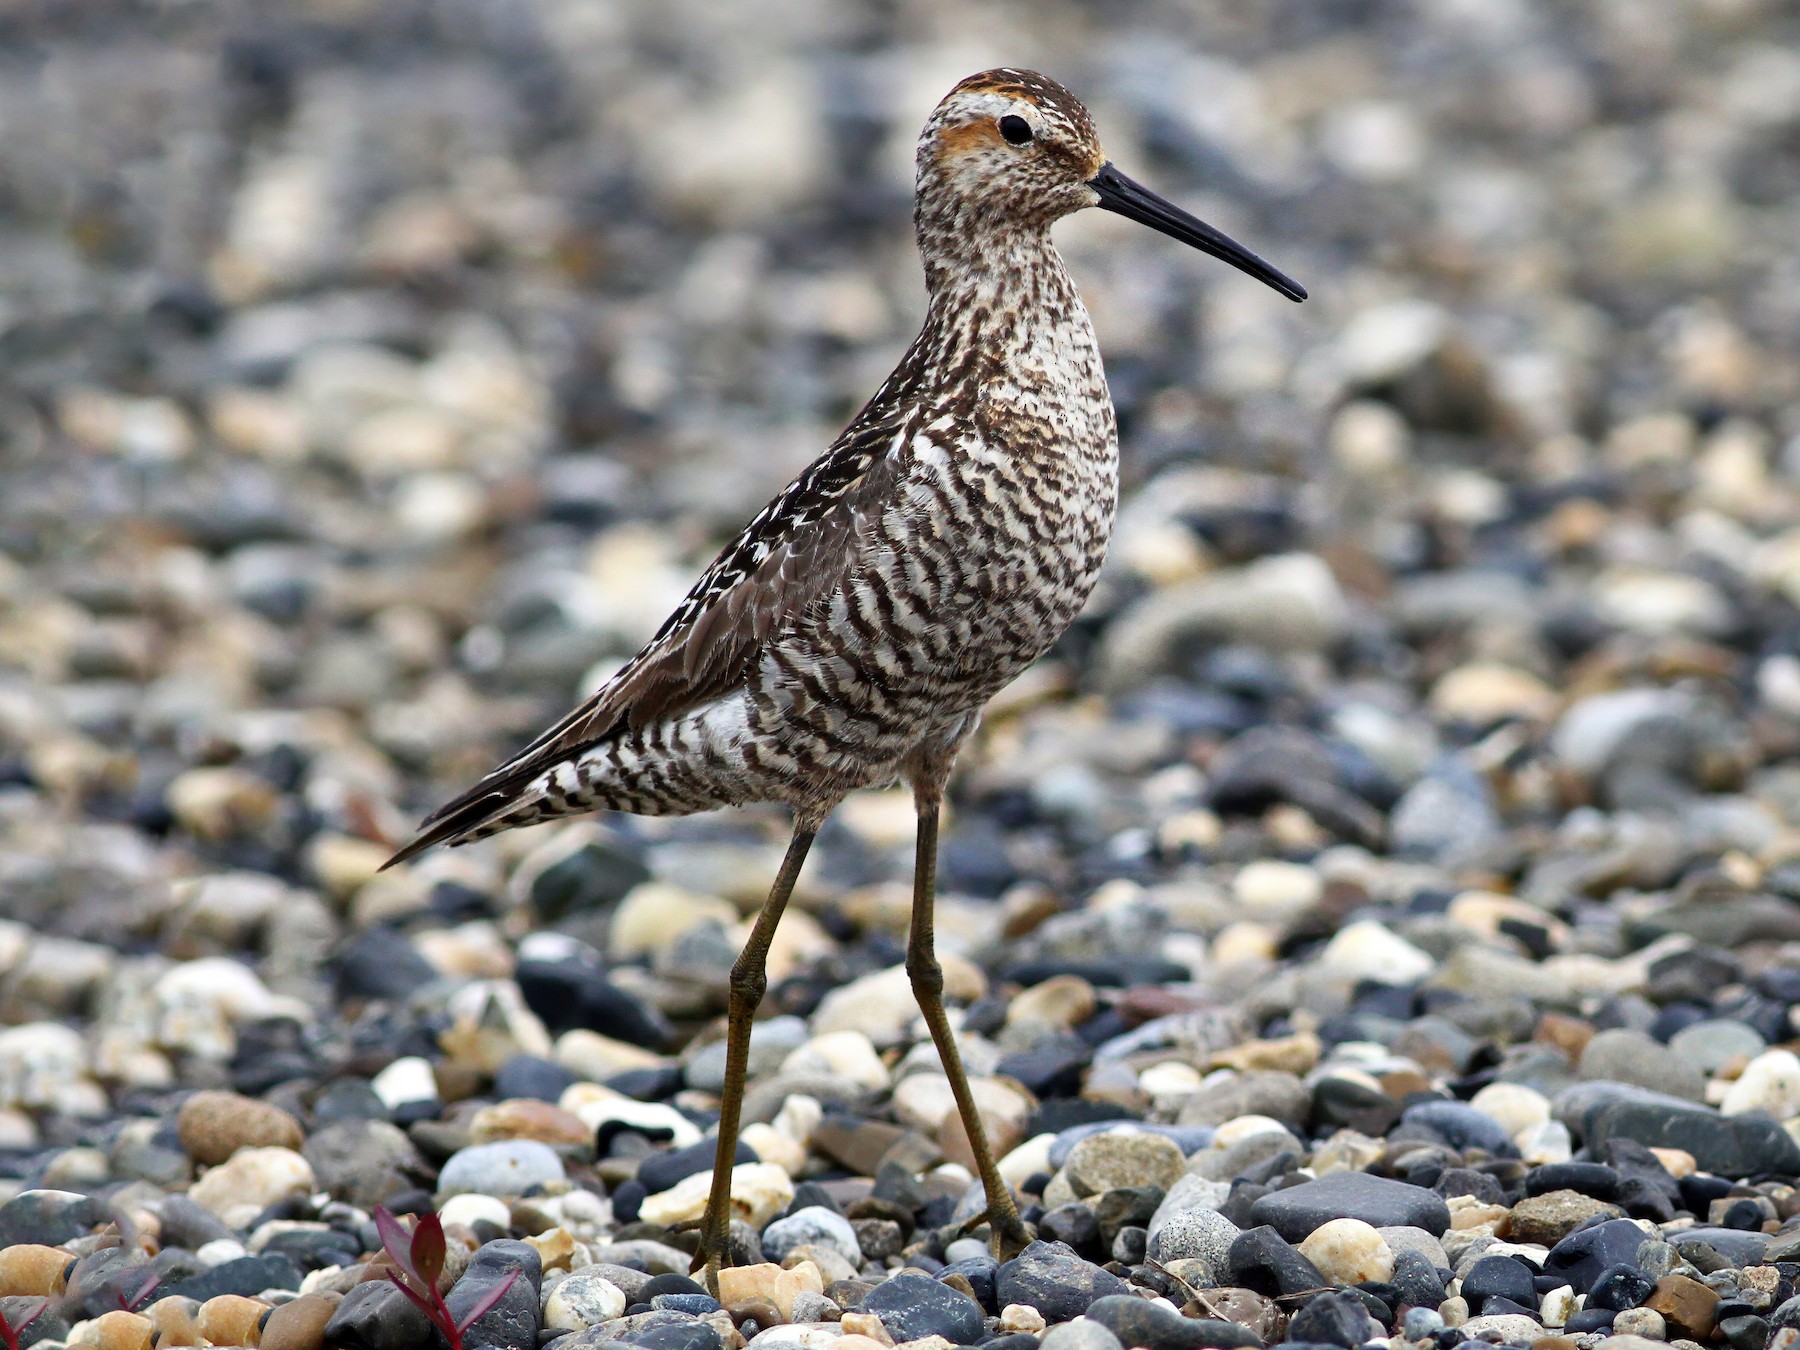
(214, 1125)
(1299, 1210)
(507, 1167)
(1349, 1251)
(252, 1179)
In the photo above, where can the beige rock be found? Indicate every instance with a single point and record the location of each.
(253, 1179)
(1517, 1108)
(1349, 1251)
(527, 1118)
(1274, 889)
(848, 1055)
(768, 1281)
(649, 919)
(218, 802)
(231, 1320)
(1549, 1218)
(1678, 1162)
(1060, 1001)
(1105, 1162)
(924, 1101)
(214, 1125)
(172, 1320)
(1770, 1082)
(583, 1300)
(882, 1006)
(865, 1324)
(1484, 692)
(759, 1191)
(555, 1248)
(1015, 1317)
(772, 1146)
(1468, 1212)
(300, 1323)
(120, 1330)
(595, 1057)
(31, 1268)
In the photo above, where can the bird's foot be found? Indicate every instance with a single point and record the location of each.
(1007, 1234)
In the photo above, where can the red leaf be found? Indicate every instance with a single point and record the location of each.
(485, 1302)
(428, 1249)
(393, 1240)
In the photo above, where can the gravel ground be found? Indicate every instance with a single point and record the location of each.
(1378, 921)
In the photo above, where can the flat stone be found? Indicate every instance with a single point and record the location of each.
(911, 1305)
(1296, 1211)
(1153, 1326)
(1686, 1305)
(1547, 1219)
(1053, 1279)
(1728, 1146)
(507, 1167)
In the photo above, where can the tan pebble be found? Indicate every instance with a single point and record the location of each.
(927, 1343)
(525, 1118)
(771, 1282)
(232, 1319)
(1349, 1251)
(865, 1324)
(300, 1324)
(859, 1343)
(759, 1310)
(555, 1248)
(214, 1125)
(1292, 1054)
(173, 1320)
(120, 1331)
(1472, 1213)
(759, 1191)
(30, 1268)
(1678, 1162)
(1015, 1317)
(1061, 1000)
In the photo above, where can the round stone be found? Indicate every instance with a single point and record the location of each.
(1349, 1251)
(214, 1125)
(1106, 1162)
(507, 1167)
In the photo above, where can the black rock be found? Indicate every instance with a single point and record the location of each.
(1125, 1207)
(1744, 1331)
(247, 1276)
(1074, 1225)
(592, 877)
(1731, 1146)
(1262, 1260)
(1335, 1318)
(669, 1283)
(1064, 1113)
(1054, 1280)
(688, 1334)
(1589, 1178)
(48, 1217)
(660, 1171)
(375, 1315)
(1590, 1319)
(1051, 1068)
(512, 1323)
(1139, 1322)
(1296, 1211)
(1416, 1281)
(1462, 1127)
(530, 1076)
(381, 963)
(364, 1162)
(347, 1098)
(983, 1275)
(648, 1085)
(911, 1305)
(570, 994)
(1737, 1247)
(627, 1198)
(1018, 1340)
(311, 1249)
(1455, 1181)
(1495, 1277)
(1583, 1255)
(186, 1224)
(697, 1305)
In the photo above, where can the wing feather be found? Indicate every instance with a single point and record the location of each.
(793, 555)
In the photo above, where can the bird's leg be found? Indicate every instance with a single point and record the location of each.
(927, 976)
(749, 978)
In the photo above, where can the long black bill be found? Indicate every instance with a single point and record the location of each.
(1136, 202)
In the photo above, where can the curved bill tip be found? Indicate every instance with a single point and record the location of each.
(1134, 201)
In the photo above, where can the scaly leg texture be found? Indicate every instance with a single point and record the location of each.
(749, 978)
(1008, 1233)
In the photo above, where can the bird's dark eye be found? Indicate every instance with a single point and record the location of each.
(1015, 128)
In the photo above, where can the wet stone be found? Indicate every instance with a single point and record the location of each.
(1054, 1280)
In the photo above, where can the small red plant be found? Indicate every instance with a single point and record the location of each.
(141, 1295)
(10, 1331)
(417, 1264)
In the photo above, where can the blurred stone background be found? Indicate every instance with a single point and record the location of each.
(374, 376)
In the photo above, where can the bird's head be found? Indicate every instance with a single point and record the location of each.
(1009, 149)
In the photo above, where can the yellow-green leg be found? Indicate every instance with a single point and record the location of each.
(927, 976)
(749, 978)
